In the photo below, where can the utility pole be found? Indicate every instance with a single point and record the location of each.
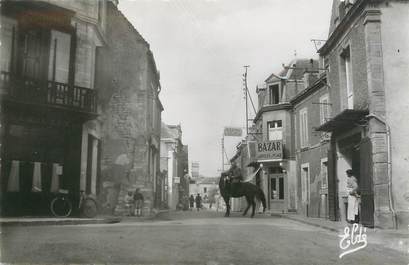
(246, 98)
(223, 152)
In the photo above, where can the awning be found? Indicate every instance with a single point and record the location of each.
(347, 119)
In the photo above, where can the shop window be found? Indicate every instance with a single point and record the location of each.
(275, 130)
(277, 188)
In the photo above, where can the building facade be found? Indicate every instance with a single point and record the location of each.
(130, 117)
(173, 165)
(275, 121)
(48, 101)
(367, 75)
(312, 108)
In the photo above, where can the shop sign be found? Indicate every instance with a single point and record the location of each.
(269, 150)
(176, 180)
(233, 131)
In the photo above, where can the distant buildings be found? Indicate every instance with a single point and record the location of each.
(173, 166)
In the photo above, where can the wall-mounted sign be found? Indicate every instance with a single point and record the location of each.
(176, 180)
(233, 131)
(269, 150)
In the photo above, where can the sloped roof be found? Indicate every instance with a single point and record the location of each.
(300, 65)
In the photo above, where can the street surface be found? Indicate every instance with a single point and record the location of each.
(187, 238)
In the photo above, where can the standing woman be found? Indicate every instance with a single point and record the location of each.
(353, 197)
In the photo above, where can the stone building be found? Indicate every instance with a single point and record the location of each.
(368, 64)
(129, 87)
(49, 137)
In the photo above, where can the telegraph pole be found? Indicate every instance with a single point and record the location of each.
(223, 152)
(246, 98)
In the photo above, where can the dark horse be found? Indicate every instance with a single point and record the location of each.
(247, 189)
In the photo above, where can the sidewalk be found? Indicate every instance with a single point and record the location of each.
(390, 238)
(35, 221)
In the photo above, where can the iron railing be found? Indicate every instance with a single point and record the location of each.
(48, 92)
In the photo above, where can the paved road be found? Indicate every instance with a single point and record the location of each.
(186, 238)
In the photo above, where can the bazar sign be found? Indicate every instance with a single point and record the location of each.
(269, 150)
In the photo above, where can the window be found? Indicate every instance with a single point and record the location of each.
(303, 128)
(325, 114)
(275, 130)
(305, 183)
(277, 188)
(324, 173)
(347, 69)
(59, 56)
(205, 190)
(8, 31)
(274, 94)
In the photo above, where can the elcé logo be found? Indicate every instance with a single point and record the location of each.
(353, 239)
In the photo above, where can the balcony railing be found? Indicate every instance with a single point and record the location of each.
(48, 93)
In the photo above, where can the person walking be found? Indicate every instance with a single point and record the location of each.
(138, 198)
(192, 202)
(198, 202)
(353, 197)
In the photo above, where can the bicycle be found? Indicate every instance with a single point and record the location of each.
(61, 205)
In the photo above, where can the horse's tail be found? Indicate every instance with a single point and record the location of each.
(260, 195)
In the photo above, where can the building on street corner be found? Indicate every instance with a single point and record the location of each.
(368, 64)
(49, 108)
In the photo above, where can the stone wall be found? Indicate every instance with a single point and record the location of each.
(124, 85)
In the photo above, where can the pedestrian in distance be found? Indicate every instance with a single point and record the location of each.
(353, 197)
(138, 198)
(198, 202)
(129, 204)
(191, 202)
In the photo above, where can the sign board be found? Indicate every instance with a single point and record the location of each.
(233, 131)
(269, 150)
(176, 180)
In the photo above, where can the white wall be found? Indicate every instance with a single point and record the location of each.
(395, 43)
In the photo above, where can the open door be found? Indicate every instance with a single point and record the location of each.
(366, 183)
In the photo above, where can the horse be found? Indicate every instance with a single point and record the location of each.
(247, 189)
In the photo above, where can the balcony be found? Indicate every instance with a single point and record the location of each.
(48, 93)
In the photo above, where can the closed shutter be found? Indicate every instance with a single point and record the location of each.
(332, 187)
(366, 183)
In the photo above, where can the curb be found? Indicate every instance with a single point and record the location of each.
(305, 222)
(110, 220)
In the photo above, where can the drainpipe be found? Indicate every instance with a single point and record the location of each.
(389, 146)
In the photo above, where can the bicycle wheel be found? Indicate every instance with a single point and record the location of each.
(89, 208)
(61, 207)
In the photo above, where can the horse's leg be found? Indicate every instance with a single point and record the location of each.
(248, 206)
(253, 203)
(227, 201)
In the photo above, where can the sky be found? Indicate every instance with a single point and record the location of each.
(200, 48)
